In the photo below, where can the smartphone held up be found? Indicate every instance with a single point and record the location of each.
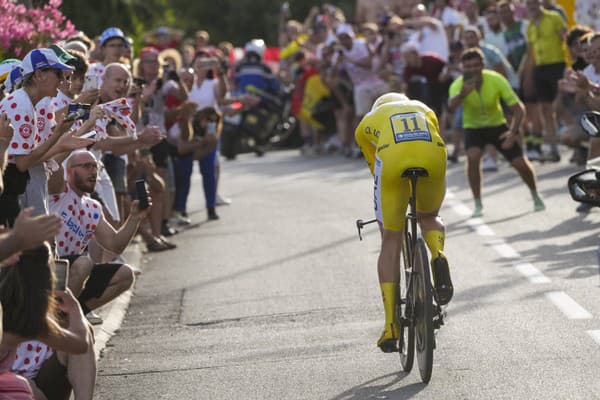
(78, 111)
(141, 194)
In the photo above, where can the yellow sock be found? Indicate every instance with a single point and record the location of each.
(389, 292)
(435, 242)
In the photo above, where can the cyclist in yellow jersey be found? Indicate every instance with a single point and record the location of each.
(484, 122)
(397, 134)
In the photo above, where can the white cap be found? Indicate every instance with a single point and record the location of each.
(344, 29)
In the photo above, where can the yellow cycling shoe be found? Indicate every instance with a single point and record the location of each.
(388, 342)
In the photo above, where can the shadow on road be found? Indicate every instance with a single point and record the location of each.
(374, 389)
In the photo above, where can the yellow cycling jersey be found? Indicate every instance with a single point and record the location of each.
(396, 136)
(546, 38)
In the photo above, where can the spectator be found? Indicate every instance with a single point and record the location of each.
(83, 220)
(26, 291)
(42, 74)
(545, 54)
(451, 18)
(494, 34)
(354, 57)
(485, 123)
(112, 43)
(422, 76)
(430, 35)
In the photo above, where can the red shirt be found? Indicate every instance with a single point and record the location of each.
(431, 68)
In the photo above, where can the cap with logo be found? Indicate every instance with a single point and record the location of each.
(111, 33)
(61, 53)
(14, 78)
(41, 59)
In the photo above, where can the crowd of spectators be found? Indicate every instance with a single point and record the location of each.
(84, 121)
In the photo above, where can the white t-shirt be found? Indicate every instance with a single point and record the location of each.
(432, 40)
(592, 75)
(496, 39)
(80, 216)
(358, 75)
(204, 95)
(22, 115)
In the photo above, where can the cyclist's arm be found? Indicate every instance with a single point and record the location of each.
(364, 142)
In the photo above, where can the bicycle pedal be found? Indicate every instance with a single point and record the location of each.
(389, 346)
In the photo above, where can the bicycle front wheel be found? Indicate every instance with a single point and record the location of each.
(423, 312)
(406, 342)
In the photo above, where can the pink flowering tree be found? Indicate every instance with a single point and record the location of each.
(24, 28)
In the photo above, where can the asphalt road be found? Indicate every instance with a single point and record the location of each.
(279, 300)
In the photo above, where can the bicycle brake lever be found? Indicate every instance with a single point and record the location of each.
(359, 225)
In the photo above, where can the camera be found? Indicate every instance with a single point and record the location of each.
(78, 111)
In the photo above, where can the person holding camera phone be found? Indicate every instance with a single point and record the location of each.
(83, 219)
(42, 74)
(485, 123)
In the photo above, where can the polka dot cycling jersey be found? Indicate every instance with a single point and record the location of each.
(30, 357)
(80, 215)
(45, 119)
(21, 113)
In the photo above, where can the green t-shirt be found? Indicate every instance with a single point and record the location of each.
(483, 109)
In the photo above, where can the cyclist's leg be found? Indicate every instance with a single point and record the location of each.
(430, 194)
(390, 199)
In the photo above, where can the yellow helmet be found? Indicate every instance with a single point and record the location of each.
(391, 97)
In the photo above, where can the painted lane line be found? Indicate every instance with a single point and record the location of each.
(595, 335)
(478, 226)
(532, 274)
(504, 249)
(568, 306)
(461, 209)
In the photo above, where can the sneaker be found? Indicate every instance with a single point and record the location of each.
(584, 208)
(533, 154)
(180, 219)
(94, 318)
(489, 165)
(442, 281)
(166, 230)
(212, 214)
(388, 342)
(551, 156)
(170, 245)
(478, 212)
(538, 205)
(222, 201)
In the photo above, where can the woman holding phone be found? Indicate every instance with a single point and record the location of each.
(31, 308)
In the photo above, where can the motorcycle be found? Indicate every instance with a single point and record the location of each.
(584, 186)
(265, 122)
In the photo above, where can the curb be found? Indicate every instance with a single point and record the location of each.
(114, 312)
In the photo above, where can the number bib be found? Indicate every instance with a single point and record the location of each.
(410, 126)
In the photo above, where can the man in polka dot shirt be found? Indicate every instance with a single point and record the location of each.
(83, 220)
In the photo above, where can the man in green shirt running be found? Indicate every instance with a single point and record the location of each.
(480, 91)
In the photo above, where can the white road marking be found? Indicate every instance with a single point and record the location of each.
(532, 274)
(504, 249)
(478, 226)
(595, 335)
(568, 306)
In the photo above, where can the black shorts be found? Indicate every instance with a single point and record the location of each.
(160, 153)
(98, 280)
(546, 81)
(481, 136)
(52, 379)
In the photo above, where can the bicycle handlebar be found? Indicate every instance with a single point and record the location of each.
(360, 224)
